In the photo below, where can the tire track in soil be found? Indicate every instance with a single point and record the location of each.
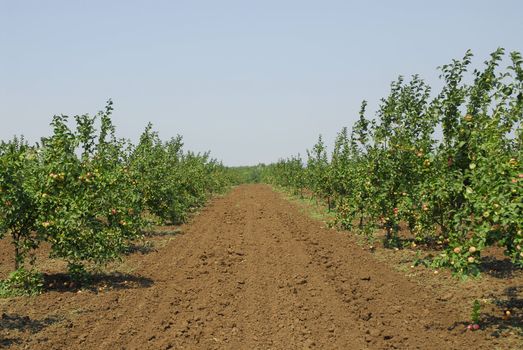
(252, 272)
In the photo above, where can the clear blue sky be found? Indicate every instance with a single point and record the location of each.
(251, 81)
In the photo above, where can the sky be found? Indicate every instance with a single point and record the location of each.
(251, 81)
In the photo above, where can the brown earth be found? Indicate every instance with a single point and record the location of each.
(251, 271)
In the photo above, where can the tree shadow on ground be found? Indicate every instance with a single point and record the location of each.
(164, 231)
(7, 342)
(498, 268)
(25, 323)
(62, 282)
(15, 322)
(500, 323)
(512, 301)
(424, 244)
(141, 248)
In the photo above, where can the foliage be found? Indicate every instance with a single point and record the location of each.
(86, 193)
(476, 312)
(246, 174)
(88, 208)
(17, 200)
(22, 282)
(173, 182)
(448, 167)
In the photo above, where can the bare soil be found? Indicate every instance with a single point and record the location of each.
(252, 271)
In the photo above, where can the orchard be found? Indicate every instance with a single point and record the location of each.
(446, 165)
(443, 165)
(88, 195)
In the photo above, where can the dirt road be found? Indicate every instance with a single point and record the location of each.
(249, 272)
